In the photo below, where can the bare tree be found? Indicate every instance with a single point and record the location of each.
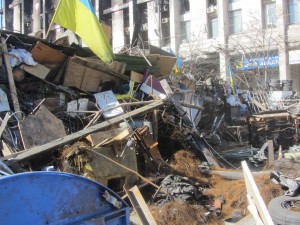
(255, 53)
(201, 61)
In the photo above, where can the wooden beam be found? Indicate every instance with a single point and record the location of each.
(271, 152)
(259, 105)
(140, 206)
(100, 66)
(10, 76)
(83, 133)
(4, 123)
(256, 206)
(39, 70)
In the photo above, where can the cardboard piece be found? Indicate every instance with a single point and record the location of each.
(107, 100)
(77, 105)
(137, 77)
(41, 128)
(44, 54)
(165, 63)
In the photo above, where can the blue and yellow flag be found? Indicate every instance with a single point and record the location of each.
(79, 16)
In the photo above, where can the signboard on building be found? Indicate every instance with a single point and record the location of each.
(260, 62)
(294, 57)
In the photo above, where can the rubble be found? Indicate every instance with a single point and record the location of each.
(126, 123)
(291, 184)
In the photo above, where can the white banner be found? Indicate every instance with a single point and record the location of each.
(294, 57)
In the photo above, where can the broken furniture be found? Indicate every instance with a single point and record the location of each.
(79, 159)
(140, 206)
(282, 125)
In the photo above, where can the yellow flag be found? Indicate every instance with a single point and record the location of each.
(79, 16)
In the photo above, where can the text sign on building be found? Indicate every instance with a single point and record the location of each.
(294, 57)
(261, 62)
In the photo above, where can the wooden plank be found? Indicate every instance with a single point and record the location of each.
(83, 133)
(143, 134)
(259, 105)
(4, 123)
(90, 74)
(92, 80)
(39, 70)
(272, 115)
(120, 137)
(140, 206)
(44, 54)
(11, 81)
(253, 193)
(6, 151)
(107, 136)
(74, 74)
(271, 153)
(100, 66)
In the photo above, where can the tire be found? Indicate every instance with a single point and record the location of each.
(280, 214)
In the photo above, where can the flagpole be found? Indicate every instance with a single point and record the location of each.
(49, 28)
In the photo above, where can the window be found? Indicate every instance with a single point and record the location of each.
(184, 7)
(106, 4)
(212, 3)
(294, 11)
(126, 26)
(235, 20)
(185, 28)
(270, 18)
(213, 29)
(233, 1)
(165, 28)
(1, 14)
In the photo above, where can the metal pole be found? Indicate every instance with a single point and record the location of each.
(22, 17)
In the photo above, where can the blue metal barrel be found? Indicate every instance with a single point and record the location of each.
(58, 198)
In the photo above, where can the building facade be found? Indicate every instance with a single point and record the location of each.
(246, 37)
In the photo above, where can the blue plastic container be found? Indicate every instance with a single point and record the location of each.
(57, 198)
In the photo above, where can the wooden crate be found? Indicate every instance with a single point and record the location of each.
(86, 78)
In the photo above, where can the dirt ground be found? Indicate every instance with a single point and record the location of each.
(233, 191)
(186, 164)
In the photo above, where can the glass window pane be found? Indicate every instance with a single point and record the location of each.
(293, 10)
(233, 1)
(185, 28)
(270, 17)
(213, 28)
(235, 21)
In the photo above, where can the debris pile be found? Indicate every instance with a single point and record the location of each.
(125, 124)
